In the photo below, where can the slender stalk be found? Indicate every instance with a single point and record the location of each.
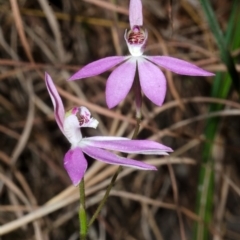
(82, 212)
(113, 180)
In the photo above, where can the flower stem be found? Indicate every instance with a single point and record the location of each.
(82, 212)
(113, 180)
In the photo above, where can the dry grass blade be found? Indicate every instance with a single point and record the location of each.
(71, 195)
(20, 29)
(28, 126)
(108, 6)
(60, 37)
(55, 28)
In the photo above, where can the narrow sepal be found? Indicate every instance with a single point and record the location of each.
(127, 145)
(59, 111)
(110, 158)
(97, 67)
(179, 66)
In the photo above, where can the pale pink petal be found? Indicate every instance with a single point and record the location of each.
(110, 158)
(135, 13)
(75, 164)
(152, 81)
(56, 100)
(97, 67)
(179, 66)
(120, 82)
(127, 145)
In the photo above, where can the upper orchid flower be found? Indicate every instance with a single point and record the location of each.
(74, 160)
(152, 80)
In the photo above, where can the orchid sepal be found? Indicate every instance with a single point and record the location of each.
(59, 111)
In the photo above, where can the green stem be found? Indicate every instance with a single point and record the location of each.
(82, 212)
(113, 180)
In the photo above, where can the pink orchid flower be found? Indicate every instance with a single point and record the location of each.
(152, 79)
(71, 122)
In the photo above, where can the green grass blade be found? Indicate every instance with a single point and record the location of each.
(221, 42)
(220, 89)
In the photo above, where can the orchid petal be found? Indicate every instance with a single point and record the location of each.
(135, 13)
(179, 66)
(120, 82)
(152, 81)
(97, 67)
(110, 158)
(127, 145)
(56, 100)
(75, 165)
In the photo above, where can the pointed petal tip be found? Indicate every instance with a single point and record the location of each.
(76, 183)
(201, 73)
(109, 103)
(209, 74)
(47, 77)
(149, 167)
(153, 168)
(74, 77)
(168, 149)
(70, 79)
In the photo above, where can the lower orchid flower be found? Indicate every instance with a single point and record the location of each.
(71, 122)
(151, 78)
